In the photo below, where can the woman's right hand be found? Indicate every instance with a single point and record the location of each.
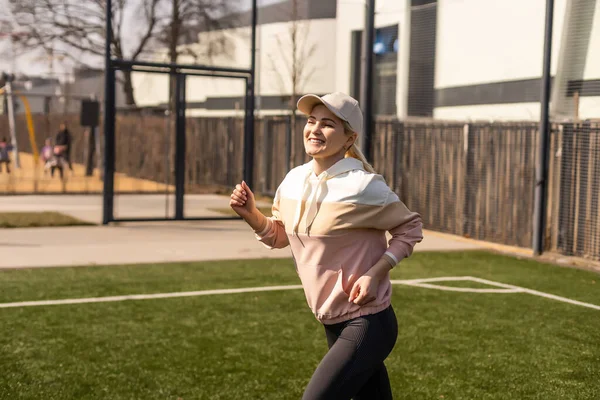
(242, 200)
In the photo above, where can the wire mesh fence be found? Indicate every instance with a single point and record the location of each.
(574, 192)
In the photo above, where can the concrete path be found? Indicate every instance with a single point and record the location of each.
(142, 242)
(149, 243)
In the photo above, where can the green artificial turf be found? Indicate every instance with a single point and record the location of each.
(265, 345)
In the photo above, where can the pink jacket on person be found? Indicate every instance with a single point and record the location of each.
(336, 224)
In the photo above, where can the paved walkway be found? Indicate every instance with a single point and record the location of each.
(149, 243)
(142, 242)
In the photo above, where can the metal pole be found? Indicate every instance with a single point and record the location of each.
(167, 157)
(11, 121)
(179, 145)
(90, 151)
(288, 143)
(249, 114)
(366, 91)
(109, 124)
(265, 159)
(541, 172)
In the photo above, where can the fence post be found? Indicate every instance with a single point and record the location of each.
(180, 145)
(469, 166)
(11, 120)
(249, 106)
(398, 129)
(366, 88)
(541, 170)
(108, 193)
(230, 153)
(265, 154)
(288, 144)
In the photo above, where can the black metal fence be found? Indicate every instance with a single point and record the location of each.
(473, 179)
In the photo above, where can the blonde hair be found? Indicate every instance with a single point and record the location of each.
(355, 152)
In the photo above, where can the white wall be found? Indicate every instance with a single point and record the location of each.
(491, 41)
(592, 66)
(589, 107)
(316, 41)
(481, 41)
(490, 112)
(273, 63)
(150, 89)
(478, 42)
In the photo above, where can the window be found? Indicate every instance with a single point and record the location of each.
(385, 70)
(385, 64)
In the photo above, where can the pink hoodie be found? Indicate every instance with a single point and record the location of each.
(336, 224)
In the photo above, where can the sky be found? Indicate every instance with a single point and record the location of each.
(38, 64)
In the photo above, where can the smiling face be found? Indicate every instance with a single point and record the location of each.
(325, 136)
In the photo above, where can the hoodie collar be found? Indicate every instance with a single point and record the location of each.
(344, 165)
(340, 167)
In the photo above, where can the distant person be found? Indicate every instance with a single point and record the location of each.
(5, 150)
(63, 144)
(47, 153)
(57, 161)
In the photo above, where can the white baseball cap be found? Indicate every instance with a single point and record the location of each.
(342, 105)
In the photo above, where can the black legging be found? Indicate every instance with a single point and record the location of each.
(353, 367)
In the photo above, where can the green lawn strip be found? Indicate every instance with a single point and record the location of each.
(38, 219)
(266, 345)
(228, 211)
(74, 282)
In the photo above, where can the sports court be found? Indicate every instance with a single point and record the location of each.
(472, 325)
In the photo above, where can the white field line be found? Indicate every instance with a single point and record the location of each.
(422, 283)
(409, 282)
(146, 296)
(460, 289)
(537, 293)
(437, 279)
(508, 288)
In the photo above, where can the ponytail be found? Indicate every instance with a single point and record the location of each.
(354, 152)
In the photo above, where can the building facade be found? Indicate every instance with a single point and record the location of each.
(446, 59)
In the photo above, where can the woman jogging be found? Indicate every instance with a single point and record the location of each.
(334, 212)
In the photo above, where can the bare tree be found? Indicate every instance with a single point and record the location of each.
(296, 51)
(77, 29)
(184, 20)
(182, 24)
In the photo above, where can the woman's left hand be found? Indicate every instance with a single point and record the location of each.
(364, 290)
